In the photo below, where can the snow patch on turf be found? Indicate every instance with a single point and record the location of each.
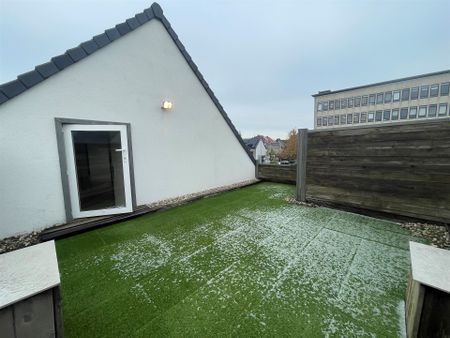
(136, 258)
(139, 291)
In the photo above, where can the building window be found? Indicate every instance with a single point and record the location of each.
(414, 93)
(363, 117)
(336, 120)
(365, 100)
(371, 116)
(387, 115)
(434, 90)
(331, 104)
(380, 98)
(424, 92)
(319, 121)
(372, 99)
(349, 118)
(422, 111)
(343, 119)
(350, 102)
(388, 97)
(337, 104)
(357, 101)
(343, 103)
(319, 106)
(443, 109)
(356, 118)
(325, 105)
(378, 115)
(396, 96)
(444, 88)
(404, 113)
(412, 112)
(330, 120)
(405, 94)
(395, 114)
(325, 121)
(432, 110)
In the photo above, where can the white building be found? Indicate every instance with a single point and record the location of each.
(413, 98)
(85, 134)
(256, 147)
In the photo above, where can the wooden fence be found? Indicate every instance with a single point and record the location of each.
(277, 173)
(402, 168)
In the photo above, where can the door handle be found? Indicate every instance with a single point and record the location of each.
(121, 150)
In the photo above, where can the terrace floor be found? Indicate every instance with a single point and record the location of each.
(243, 263)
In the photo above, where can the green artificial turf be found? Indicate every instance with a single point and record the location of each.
(243, 263)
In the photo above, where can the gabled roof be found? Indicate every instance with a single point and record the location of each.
(252, 143)
(58, 63)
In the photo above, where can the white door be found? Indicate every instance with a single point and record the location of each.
(98, 169)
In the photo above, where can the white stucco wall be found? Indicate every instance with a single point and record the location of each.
(185, 150)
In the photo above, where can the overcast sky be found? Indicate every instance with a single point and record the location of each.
(263, 59)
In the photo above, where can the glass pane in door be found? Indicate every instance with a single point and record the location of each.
(99, 168)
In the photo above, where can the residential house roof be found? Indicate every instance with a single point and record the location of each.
(252, 143)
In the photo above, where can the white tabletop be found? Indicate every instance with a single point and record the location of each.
(430, 266)
(27, 272)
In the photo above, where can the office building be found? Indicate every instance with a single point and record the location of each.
(413, 98)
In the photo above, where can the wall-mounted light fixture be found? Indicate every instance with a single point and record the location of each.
(166, 105)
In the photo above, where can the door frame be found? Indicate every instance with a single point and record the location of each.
(59, 123)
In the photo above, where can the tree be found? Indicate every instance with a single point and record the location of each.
(290, 148)
(271, 154)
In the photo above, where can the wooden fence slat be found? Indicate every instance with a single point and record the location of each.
(302, 146)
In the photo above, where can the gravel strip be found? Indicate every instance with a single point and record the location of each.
(18, 242)
(438, 235)
(186, 198)
(292, 200)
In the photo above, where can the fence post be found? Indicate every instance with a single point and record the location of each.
(302, 139)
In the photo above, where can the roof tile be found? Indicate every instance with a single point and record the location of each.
(141, 18)
(3, 98)
(123, 28)
(149, 13)
(133, 23)
(62, 61)
(13, 88)
(157, 10)
(180, 45)
(47, 69)
(89, 46)
(76, 54)
(101, 40)
(165, 22)
(113, 34)
(31, 78)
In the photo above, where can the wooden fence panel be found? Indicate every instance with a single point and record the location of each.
(402, 169)
(277, 173)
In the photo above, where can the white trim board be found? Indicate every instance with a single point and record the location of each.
(430, 266)
(27, 272)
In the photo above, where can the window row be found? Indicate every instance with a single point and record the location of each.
(433, 110)
(405, 94)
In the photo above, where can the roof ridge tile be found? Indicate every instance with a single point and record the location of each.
(31, 78)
